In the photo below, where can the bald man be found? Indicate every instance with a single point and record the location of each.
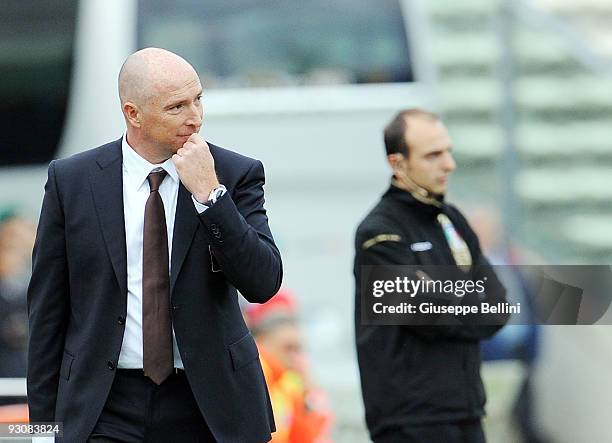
(135, 329)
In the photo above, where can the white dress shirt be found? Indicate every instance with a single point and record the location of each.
(135, 194)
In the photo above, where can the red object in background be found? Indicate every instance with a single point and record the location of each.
(283, 302)
(14, 414)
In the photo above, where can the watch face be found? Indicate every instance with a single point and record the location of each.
(216, 194)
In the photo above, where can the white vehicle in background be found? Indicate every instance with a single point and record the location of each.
(306, 87)
(310, 82)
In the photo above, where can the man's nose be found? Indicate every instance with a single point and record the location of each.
(449, 162)
(195, 116)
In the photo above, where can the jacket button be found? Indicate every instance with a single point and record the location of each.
(110, 364)
(121, 320)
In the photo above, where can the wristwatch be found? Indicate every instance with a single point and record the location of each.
(215, 194)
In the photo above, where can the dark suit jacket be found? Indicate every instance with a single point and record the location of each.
(77, 298)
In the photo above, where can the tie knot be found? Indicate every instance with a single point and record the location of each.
(155, 179)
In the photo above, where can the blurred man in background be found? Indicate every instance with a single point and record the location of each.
(419, 383)
(300, 409)
(16, 241)
(518, 342)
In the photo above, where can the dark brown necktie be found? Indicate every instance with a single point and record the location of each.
(158, 361)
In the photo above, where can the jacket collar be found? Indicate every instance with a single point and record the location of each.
(424, 204)
(107, 188)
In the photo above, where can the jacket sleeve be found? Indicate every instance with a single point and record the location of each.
(48, 306)
(241, 241)
(397, 253)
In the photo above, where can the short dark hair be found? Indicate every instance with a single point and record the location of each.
(395, 131)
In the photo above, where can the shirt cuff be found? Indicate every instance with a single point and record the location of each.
(200, 207)
(43, 439)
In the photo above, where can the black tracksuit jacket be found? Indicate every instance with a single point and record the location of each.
(416, 374)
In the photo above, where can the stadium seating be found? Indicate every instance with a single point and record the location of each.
(563, 136)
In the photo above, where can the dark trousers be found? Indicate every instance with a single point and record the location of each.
(462, 432)
(137, 410)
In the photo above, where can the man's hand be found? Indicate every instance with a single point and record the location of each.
(196, 167)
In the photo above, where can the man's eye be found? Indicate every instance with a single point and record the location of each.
(177, 107)
(199, 97)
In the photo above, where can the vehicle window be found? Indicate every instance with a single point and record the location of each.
(248, 43)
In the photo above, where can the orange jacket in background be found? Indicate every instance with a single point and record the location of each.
(295, 421)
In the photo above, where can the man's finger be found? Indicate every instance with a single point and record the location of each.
(193, 137)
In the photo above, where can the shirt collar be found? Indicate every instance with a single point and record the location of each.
(138, 168)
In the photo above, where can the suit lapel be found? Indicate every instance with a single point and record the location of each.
(185, 225)
(107, 188)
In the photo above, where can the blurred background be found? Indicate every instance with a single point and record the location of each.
(525, 87)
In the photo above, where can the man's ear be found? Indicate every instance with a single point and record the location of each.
(132, 114)
(395, 160)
